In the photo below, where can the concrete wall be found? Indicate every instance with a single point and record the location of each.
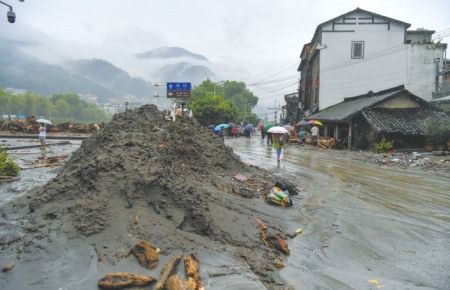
(396, 63)
(400, 103)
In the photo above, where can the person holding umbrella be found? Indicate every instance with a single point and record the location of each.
(278, 139)
(314, 134)
(248, 132)
(278, 143)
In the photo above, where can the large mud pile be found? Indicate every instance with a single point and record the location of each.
(170, 183)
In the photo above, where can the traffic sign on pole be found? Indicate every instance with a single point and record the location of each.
(178, 90)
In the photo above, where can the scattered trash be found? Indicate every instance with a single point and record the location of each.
(5, 179)
(240, 177)
(286, 186)
(279, 265)
(280, 197)
(8, 267)
(273, 240)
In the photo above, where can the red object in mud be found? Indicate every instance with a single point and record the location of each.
(240, 177)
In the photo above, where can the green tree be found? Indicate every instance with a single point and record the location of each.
(230, 92)
(210, 110)
(7, 166)
(63, 109)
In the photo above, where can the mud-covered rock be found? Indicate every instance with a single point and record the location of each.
(146, 255)
(175, 283)
(121, 280)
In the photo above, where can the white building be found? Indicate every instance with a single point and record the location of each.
(361, 51)
(15, 91)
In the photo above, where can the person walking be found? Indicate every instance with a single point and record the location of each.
(221, 133)
(247, 133)
(42, 131)
(263, 134)
(229, 131)
(314, 135)
(269, 138)
(278, 144)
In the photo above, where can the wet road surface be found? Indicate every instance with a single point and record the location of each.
(365, 226)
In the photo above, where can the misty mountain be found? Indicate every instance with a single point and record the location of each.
(170, 52)
(186, 72)
(111, 77)
(94, 76)
(18, 70)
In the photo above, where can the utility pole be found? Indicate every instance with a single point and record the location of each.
(436, 82)
(275, 108)
(215, 87)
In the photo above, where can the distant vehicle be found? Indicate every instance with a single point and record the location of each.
(235, 132)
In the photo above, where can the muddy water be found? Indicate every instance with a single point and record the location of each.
(25, 157)
(365, 226)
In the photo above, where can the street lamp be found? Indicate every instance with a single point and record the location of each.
(10, 15)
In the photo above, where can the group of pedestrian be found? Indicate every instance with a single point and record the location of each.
(277, 140)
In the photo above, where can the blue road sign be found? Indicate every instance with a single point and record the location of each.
(178, 86)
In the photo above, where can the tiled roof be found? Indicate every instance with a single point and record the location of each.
(444, 100)
(351, 106)
(405, 121)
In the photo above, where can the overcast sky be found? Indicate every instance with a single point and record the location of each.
(245, 40)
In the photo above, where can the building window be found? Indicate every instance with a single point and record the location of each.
(357, 49)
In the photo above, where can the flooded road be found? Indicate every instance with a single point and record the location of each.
(365, 226)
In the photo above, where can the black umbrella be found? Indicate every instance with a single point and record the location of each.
(232, 125)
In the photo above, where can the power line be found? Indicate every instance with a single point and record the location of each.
(290, 64)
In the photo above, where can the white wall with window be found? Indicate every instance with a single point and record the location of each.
(367, 57)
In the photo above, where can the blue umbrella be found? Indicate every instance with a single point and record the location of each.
(220, 126)
(249, 127)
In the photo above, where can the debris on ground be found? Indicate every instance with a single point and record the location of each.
(192, 267)
(280, 197)
(120, 280)
(30, 125)
(272, 240)
(286, 185)
(168, 270)
(8, 267)
(240, 177)
(146, 255)
(326, 143)
(50, 161)
(6, 179)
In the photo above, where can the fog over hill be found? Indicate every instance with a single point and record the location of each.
(170, 52)
(97, 76)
